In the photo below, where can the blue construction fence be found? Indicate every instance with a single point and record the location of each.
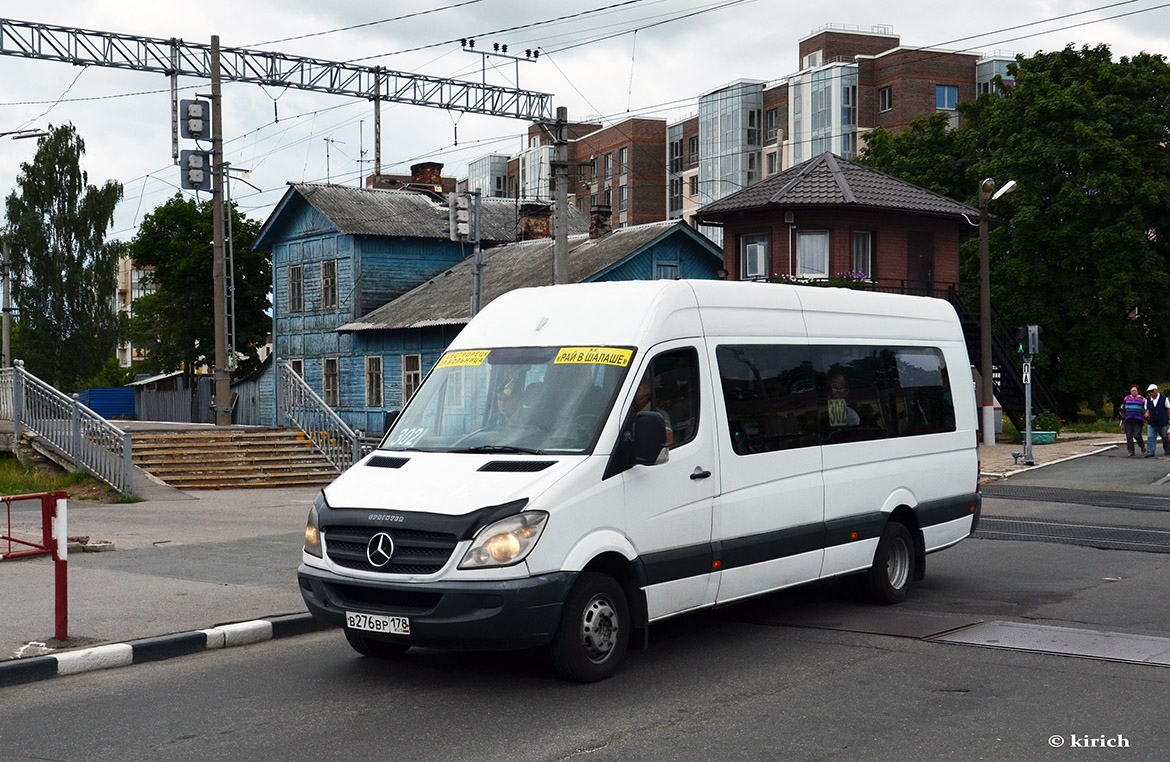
(110, 402)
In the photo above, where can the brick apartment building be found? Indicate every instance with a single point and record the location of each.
(620, 166)
(850, 81)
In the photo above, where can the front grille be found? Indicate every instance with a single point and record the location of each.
(415, 552)
(403, 601)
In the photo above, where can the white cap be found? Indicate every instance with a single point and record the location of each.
(1152, 388)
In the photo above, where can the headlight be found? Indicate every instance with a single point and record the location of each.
(312, 532)
(506, 542)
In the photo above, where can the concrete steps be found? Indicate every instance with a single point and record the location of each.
(231, 458)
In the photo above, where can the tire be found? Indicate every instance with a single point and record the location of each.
(594, 632)
(379, 649)
(889, 578)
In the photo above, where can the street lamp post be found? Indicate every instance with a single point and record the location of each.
(986, 191)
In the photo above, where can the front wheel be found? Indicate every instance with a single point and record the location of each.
(377, 648)
(893, 565)
(594, 631)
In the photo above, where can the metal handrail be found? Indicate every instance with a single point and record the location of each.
(320, 424)
(93, 443)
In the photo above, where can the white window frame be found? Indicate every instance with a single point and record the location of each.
(329, 284)
(666, 271)
(623, 160)
(802, 271)
(623, 198)
(331, 382)
(411, 376)
(939, 90)
(455, 391)
(885, 98)
(753, 256)
(375, 395)
(863, 253)
(296, 288)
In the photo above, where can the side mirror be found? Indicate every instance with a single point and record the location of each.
(389, 419)
(650, 446)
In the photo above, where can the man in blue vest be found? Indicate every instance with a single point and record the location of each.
(1158, 418)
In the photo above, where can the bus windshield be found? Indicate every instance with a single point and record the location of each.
(538, 400)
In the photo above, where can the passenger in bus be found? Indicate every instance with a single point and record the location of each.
(644, 400)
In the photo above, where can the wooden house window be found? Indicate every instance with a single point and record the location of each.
(374, 381)
(456, 393)
(330, 381)
(329, 284)
(296, 288)
(411, 376)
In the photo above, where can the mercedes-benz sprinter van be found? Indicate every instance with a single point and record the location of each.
(587, 460)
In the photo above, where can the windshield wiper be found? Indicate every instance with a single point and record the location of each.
(500, 448)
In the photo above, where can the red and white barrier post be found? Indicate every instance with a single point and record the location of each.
(60, 565)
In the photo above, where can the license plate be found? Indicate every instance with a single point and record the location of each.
(390, 625)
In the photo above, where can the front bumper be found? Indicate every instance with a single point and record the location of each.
(493, 614)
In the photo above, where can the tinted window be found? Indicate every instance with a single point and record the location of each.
(780, 397)
(879, 392)
(670, 386)
(770, 395)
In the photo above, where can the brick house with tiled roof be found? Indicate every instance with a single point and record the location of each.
(830, 215)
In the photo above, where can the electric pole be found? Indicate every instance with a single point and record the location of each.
(561, 198)
(223, 378)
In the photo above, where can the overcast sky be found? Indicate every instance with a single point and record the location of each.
(659, 71)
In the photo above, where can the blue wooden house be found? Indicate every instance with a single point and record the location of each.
(368, 290)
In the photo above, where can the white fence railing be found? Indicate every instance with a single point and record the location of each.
(92, 442)
(300, 406)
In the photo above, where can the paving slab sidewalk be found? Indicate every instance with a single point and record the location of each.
(186, 561)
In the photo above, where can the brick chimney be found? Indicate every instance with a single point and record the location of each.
(599, 220)
(427, 173)
(535, 221)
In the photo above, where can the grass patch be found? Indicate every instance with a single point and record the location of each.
(17, 478)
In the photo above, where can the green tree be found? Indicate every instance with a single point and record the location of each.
(64, 271)
(176, 324)
(1082, 246)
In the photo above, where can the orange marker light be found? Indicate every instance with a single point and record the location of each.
(853, 535)
(716, 564)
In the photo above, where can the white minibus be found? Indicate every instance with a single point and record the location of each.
(587, 460)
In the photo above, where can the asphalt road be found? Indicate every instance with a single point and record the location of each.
(809, 674)
(743, 683)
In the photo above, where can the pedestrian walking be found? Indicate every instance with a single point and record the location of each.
(1158, 420)
(1133, 417)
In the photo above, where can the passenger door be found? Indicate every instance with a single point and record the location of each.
(769, 518)
(668, 505)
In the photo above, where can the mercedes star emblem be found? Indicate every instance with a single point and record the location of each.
(379, 549)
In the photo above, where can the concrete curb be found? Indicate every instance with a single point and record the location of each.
(33, 669)
(1100, 448)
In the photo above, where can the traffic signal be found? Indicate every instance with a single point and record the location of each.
(1020, 332)
(461, 217)
(1034, 344)
(196, 170)
(195, 120)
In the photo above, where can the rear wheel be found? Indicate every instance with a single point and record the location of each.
(377, 648)
(595, 629)
(893, 565)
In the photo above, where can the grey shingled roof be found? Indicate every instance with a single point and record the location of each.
(829, 180)
(446, 298)
(372, 211)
